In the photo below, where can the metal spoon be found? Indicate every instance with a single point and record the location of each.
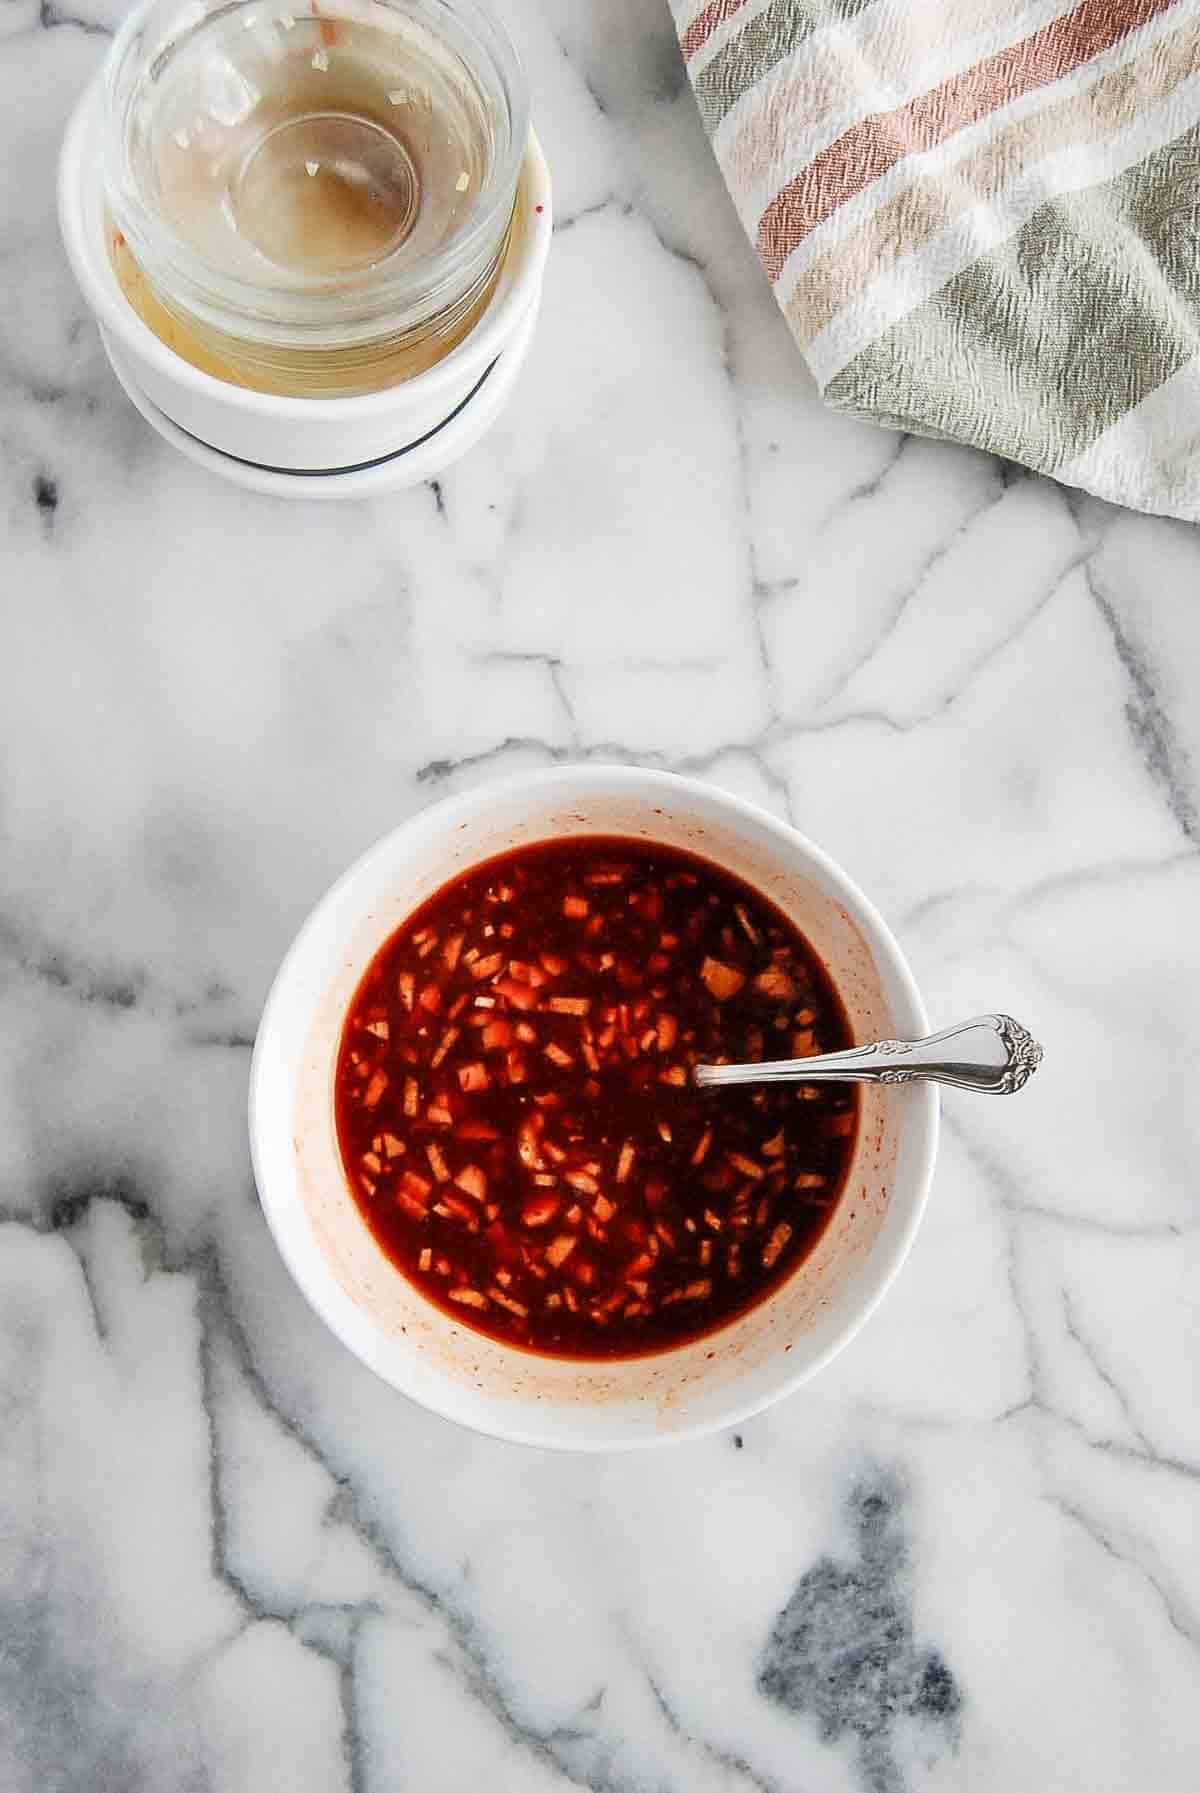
(993, 1054)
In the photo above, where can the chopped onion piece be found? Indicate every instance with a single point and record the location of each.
(775, 1244)
(722, 981)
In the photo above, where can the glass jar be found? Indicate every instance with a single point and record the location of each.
(312, 198)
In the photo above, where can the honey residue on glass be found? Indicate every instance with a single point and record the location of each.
(296, 372)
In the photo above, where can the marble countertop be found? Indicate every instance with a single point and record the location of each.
(965, 1557)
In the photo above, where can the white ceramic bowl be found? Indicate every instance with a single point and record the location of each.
(495, 1388)
(292, 446)
(420, 461)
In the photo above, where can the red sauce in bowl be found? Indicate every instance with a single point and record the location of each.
(516, 1113)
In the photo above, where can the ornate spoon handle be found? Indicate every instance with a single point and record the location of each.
(993, 1054)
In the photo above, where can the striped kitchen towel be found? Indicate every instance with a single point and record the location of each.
(979, 217)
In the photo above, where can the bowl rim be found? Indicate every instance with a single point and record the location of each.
(279, 1210)
(482, 343)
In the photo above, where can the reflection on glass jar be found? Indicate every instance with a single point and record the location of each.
(312, 201)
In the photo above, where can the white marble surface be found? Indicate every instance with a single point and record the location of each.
(230, 1560)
